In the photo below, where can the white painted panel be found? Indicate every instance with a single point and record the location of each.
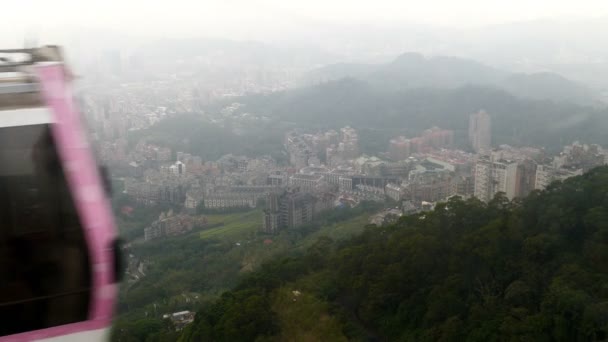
(25, 117)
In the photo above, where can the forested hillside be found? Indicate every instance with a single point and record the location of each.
(192, 270)
(530, 270)
(515, 121)
(193, 134)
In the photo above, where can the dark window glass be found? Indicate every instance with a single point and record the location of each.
(45, 275)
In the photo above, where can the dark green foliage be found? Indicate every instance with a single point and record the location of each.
(180, 265)
(189, 266)
(342, 214)
(236, 316)
(531, 270)
(148, 329)
(189, 133)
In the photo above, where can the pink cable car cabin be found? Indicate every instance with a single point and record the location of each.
(59, 256)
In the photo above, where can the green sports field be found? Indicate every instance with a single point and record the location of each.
(236, 225)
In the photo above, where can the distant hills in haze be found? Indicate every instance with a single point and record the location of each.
(413, 70)
(548, 86)
(384, 114)
(233, 53)
(403, 96)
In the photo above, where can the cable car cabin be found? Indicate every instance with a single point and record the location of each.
(58, 249)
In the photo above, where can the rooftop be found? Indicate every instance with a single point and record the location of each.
(307, 177)
(309, 170)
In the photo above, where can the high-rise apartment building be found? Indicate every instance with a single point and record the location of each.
(480, 131)
(288, 210)
(436, 137)
(399, 148)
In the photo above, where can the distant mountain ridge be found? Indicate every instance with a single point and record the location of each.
(413, 70)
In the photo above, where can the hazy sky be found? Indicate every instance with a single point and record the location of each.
(256, 19)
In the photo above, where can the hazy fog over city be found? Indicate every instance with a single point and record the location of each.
(336, 170)
(520, 35)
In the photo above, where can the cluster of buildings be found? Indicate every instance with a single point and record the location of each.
(433, 138)
(329, 148)
(231, 181)
(170, 224)
(155, 175)
(237, 196)
(156, 187)
(326, 169)
(112, 115)
(420, 171)
(517, 172)
(429, 174)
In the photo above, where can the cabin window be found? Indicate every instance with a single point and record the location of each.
(45, 275)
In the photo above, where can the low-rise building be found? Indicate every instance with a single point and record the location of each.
(546, 175)
(157, 191)
(180, 319)
(464, 186)
(153, 232)
(386, 217)
(307, 182)
(346, 183)
(289, 210)
(429, 182)
(394, 191)
(333, 177)
(169, 224)
(194, 197)
(277, 178)
(228, 200)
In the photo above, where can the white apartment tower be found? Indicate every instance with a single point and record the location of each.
(494, 176)
(480, 131)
